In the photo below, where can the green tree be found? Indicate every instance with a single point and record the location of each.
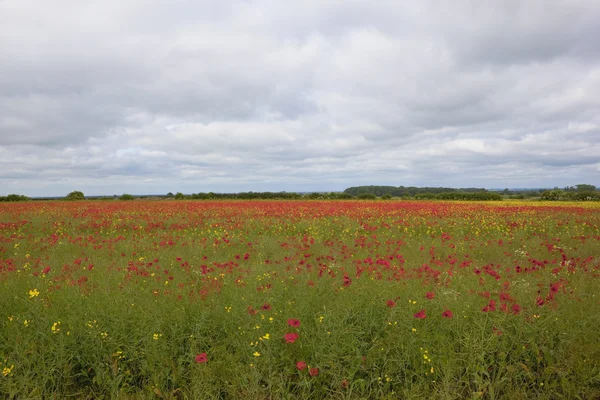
(75, 195)
(126, 196)
(585, 188)
(367, 196)
(179, 196)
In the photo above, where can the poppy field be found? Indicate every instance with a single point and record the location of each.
(299, 299)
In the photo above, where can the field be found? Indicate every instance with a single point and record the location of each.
(299, 299)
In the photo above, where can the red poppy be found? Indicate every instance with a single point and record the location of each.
(505, 297)
(516, 308)
(347, 281)
(294, 323)
(420, 315)
(266, 306)
(313, 371)
(46, 270)
(251, 310)
(391, 303)
(201, 358)
(291, 337)
(447, 314)
(300, 365)
(490, 307)
(345, 383)
(430, 295)
(539, 301)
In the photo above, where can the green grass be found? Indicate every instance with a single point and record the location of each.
(130, 327)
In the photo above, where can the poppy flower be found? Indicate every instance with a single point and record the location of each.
(291, 337)
(420, 315)
(516, 308)
(345, 383)
(447, 314)
(490, 307)
(266, 307)
(300, 365)
(201, 358)
(294, 323)
(313, 371)
(430, 295)
(391, 303)
(539, 301)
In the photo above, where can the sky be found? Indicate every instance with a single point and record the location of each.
(157, 96)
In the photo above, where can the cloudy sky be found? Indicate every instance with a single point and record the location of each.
(151, 96)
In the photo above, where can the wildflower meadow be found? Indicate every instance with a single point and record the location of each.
(299, 300)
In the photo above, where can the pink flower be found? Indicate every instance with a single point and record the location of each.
(291, 337)
(300, 365)
(420, 315)
(201, 358)
(490, 307)
(447, 314)
(313, 371)
(391, 303)
(294, 323)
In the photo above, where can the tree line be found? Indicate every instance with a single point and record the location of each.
(581, 192)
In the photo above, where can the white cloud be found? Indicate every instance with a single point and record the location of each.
(157, 96)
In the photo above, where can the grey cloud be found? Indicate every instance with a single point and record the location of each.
(317, 95)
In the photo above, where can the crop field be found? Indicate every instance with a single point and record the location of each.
(299, 299)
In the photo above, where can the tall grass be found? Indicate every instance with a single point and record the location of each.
(193, 300)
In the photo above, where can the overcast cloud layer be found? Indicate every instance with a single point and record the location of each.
(151, 96)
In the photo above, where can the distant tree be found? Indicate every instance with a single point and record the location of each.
(552, 195)
(179, 196)
(585, 188)
(367, 196)
(126, 196)
(386, 196)
(14, 197)
(76, 195)
(170, 194)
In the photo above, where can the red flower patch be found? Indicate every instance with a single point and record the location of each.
(490, 307)
(291, 337)
(301, 365)
(294, 323)
(201, 358)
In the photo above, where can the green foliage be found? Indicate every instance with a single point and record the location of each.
(402, 191)
(567, 195)
(76, 195)
(179, 196)
(14, 197)
(366, 196)
(126, 196)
